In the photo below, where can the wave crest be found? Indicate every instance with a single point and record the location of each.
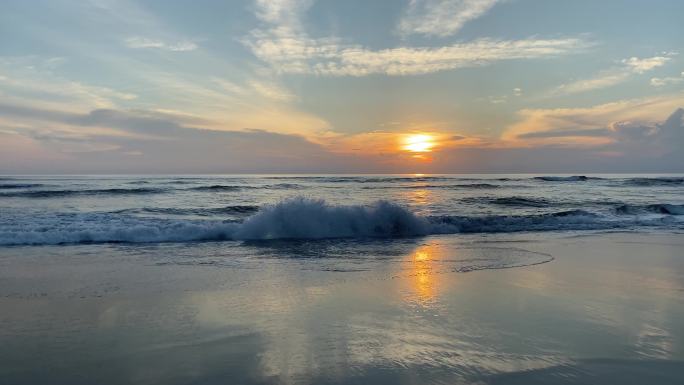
(574, 178)
(304, 218)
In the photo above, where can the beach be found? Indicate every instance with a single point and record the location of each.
(342, 279)
(476, 309)
(303, 192)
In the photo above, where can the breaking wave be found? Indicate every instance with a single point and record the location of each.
(297, 218)
(302, 218)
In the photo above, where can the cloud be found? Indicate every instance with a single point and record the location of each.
(441, 17)
(271, 90)
(108, 140)
(299, 55)
(611, 77)
(282, 12)
(591, 132)
(102, 141)
(602, 80)
(640, 66)
(594, 126)
(34, 79)
(662, 82)
(284, 45)
(143, 42)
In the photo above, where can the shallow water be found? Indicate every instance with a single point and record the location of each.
(498, 308)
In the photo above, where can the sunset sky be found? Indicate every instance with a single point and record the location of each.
(295, 86)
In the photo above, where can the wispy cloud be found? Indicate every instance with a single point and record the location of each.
(640, 66)
(288, 49)
(271, 90)
(33, 79)
(441, 17)
(138, 42)
(666, 81)
(614, 76)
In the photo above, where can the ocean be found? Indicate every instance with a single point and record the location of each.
(150, 209)
(342, 279)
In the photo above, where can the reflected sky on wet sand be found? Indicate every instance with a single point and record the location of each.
(480, 309)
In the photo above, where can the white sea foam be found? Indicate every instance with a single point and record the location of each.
(313, 218)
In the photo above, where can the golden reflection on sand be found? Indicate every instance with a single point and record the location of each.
(422, 275)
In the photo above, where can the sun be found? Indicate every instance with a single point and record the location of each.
(418, 143)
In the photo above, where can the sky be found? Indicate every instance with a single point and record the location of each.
(355, 86)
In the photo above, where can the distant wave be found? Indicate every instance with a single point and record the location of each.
(287, 186)
(64, 193)
(646, 182)
(297, 218)
(367, 179)
(19, 185)
(218, 187)
(443, 186)
(514, 201)
(232, 210)
(476, 185)
(574, 178)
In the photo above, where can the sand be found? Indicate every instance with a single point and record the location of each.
(578, 309)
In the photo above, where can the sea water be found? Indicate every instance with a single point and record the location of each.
(92, 209)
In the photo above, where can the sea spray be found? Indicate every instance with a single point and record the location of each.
(304, 218)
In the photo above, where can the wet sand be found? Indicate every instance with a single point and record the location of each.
(495, 309)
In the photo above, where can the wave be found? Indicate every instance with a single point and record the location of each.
(64, 193)
(475, 185)
(218, 187)
(107, 228)
(303, 218)
(510, 201)
(367, 179)
(574, 178)
(443, 186)
(296, 218)
(664, 181)
(661, 208)
(287, 186)
(19, 185)
(228, 210)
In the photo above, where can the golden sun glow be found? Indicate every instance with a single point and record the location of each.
(419, 143)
